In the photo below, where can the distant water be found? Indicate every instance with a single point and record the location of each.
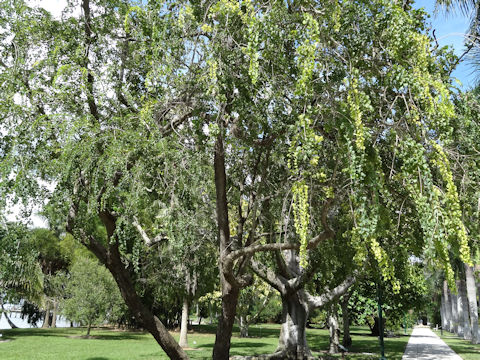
(22, 323)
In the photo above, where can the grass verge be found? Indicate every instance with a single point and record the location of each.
(67, 343)
(464, 348)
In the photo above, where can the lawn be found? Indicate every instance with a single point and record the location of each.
(61, 343)
(464, 348)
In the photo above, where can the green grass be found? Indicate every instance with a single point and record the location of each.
(42, 344)
(464, 348)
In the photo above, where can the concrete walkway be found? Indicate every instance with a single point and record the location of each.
(424, 344)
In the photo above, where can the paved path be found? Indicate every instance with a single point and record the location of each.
(424, 344)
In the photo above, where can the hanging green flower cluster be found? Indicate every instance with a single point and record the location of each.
(453, 222)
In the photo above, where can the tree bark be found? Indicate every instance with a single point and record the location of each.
(183, 342)
(46, 319)
(292, 343)
(243, 324)
(113, 262)
(448, 306)
(464, 323)
(230, 287)
(347, 339)
(89, 327)
(443, 316)
(454, 313)
(472, 302)
(54, 317)
(333, 329)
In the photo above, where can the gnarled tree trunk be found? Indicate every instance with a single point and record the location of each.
(333, 329)
(292, 343)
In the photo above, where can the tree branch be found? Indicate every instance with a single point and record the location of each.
(329, 295)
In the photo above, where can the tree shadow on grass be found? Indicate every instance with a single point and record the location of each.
(238, 345)
(14, 333)
(73, 333)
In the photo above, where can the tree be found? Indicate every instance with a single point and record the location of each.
(92, 296)
(128, 117)
(464, 152)
(20, 274)
(100, 147)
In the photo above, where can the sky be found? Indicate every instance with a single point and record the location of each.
(450, 29)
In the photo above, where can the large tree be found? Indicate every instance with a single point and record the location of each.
(324, 122)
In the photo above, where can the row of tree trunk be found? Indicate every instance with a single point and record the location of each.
(459, 309)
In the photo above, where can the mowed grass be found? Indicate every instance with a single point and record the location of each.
(63, 343)
(464, 348)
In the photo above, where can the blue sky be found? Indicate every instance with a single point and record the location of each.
(450, 30)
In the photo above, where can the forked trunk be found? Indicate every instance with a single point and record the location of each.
(333, 329)
(46, 319)
(183, 342)
(472, 302)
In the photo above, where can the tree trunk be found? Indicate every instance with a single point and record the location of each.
(243, 324)
(54, 317)
(221, 350)
(89, 327)
(113, 261)
(458, 306)
(292, 343)
(46, 319)
(333, 329)
(464, 324)
(454, 313)
(230, 287)
(12, 325)
(448, 307)
(183, 342)
(442, 312)
(472, 302)
(347, 339)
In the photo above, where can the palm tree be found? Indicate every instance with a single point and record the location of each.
(470, 8)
